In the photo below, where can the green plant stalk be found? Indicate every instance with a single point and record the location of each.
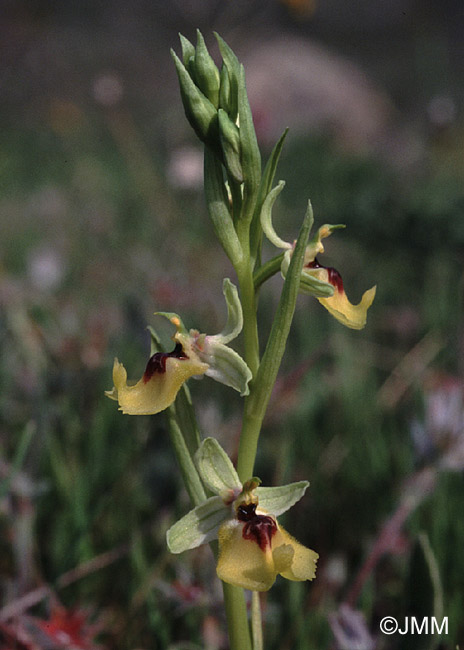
(267, 270)
(256, 622)
(188, 470)
(261, 389)
(237, 619)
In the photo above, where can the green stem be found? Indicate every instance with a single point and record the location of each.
(187, 467)
(256, 622)
(267, 270)
(263, 382)
(237, 619)
(250, 325)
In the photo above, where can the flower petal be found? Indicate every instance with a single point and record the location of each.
(158, 387)
(242, 562)
(303, 564)
(353, 316)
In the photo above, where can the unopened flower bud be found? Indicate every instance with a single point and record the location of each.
(230, 142)
(199, 111)
(206, 72)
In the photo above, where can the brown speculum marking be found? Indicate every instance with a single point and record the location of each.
(334, 276)
(259, 528)
(157, 363)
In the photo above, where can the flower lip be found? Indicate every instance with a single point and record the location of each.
(334, 277)
(157, 363)
(259, 528)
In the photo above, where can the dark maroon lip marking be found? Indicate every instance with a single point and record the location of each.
(334, 278)
(259, 528)
(157, 363)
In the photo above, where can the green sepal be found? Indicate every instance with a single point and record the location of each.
(266, 217)
(199, 526)
(227, 367)
(234, 323)
(277, 500)
(233, 69)
(206, 72)
(264, 189)
(216, 469)
(188, 50)
(230, 143)
(217, 202)
(199, 111)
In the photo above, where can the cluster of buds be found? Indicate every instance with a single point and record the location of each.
(211, 99)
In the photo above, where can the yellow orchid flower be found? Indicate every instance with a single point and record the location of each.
(254, 549)
(319, 281)
(164, 375)
(353, 316)
(194, 354)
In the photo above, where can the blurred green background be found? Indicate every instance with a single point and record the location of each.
(102, 222)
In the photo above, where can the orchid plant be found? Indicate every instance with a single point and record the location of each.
(229, 504)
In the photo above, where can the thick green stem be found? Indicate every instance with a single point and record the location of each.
(237, 619)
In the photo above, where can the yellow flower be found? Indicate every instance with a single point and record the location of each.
(193, 354)
(326, 284)
(316, 280)
(254, 549)
(164, 375)
(353, 316)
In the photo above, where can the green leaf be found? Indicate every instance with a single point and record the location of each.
(215, 468)
(278, 500)
(314, 287)
(217, 202)
(199, 526)
(275, 347)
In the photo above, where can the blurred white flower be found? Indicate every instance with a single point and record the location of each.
(185, 169)
(45, 268)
